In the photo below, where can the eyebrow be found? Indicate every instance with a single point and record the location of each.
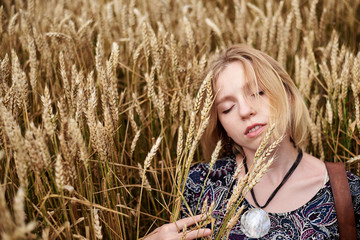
(223, 99)
(227, 97)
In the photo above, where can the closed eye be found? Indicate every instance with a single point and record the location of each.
(227, 110)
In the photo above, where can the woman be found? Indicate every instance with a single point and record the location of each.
(254, 92)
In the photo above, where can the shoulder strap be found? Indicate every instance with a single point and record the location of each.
(342, 198)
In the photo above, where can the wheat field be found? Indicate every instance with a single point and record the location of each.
(103, 103)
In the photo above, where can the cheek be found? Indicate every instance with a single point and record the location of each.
(223, 124)
(229, 126)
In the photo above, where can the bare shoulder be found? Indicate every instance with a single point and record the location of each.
(311, 166)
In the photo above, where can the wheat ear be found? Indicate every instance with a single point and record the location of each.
(97, 225)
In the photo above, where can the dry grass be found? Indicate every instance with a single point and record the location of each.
(86, 87)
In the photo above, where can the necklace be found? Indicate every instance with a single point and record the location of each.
(255, 222)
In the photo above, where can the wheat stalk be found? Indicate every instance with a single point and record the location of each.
(257, 174)
(33, 62)
(133, 124)
(101, 141)
(146, 39)
(321, 148)
(19, 214)
(109, 125)
(234, 219)
(273, 24)
(238, 189)
(174, 59)
(13, 132)
(296, 9)
(97, 226)
(213, 26)
(113, 95)
(41, 146)
(64, 76)
(174, 105)
(204, 207)
(11, 25)
(257, 170)
(76, 134)
(180, 143)
(333, 62)
(184, 232)
(152, 153)
(34, 152)
(5, 70)
(311, 19)
(134, 141)
(353, 159)
(215, 154)
(59, 173)
(145, 181)
(47, 113)
(138, 108)
(5, 224)
(189, 34)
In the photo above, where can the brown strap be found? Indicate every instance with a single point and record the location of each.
(342, 198)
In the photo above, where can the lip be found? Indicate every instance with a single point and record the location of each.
(256, 132)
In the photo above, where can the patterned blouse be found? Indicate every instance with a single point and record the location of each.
(314, 220)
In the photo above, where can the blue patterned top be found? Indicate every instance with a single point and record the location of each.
(314, 220)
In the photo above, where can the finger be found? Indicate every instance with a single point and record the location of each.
(204, 232)
(187, 221)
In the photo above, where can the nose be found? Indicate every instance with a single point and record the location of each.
(246, 109)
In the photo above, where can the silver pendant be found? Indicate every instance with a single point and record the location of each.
(255, 223)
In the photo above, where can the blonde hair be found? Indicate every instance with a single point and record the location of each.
(287, 108)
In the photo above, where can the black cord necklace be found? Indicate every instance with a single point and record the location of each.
(286, 177)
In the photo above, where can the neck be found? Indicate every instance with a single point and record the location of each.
(285, 155)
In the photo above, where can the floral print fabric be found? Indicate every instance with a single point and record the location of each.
(314, 220)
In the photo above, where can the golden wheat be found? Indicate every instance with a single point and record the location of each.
(96, 87)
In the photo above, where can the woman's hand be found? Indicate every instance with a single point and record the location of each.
(171, 231)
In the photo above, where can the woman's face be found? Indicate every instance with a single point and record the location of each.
(244, 116)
